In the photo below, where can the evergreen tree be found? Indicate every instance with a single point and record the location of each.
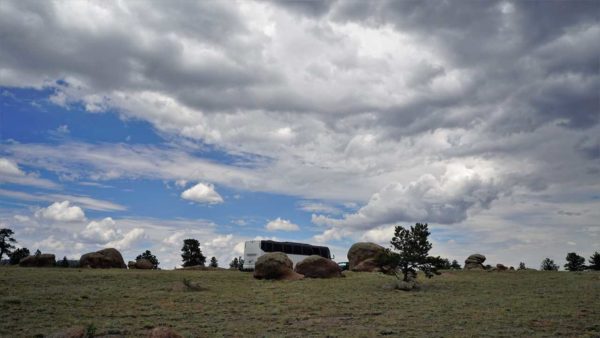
(65, 262)
(213, 262)
(413, 246)
(240, 263)
(6, 242)
(37, 252)
(522, 266)
(191, 253)
(234, 264)
(594, 261)
(149, 256)
(17, 255)
(575, 262)
(455, 265)
(548, 265)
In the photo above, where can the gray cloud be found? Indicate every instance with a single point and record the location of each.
(337, 100)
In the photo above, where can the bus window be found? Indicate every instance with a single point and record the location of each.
(306, 250)
(296, 250)
(315, 251)
(287, 248)
(266, 246)
(277, 247)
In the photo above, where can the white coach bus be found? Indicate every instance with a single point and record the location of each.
(295, 251)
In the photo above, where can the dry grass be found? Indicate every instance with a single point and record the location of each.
(38, 301)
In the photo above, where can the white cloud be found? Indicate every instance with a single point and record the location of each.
(128, 240)
(11, 173)
(318, 207)
(21, 218)
(85, 201)
(62, 212)
(202, 193)
(49, 245)
(279, 224)
(8, 167)
(101, 231)
(445, 199)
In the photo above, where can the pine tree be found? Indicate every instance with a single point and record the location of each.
(213, 262)
(65, 262)
(37, 252)
(6, 242)
(455, 265)
(413, 246)
(548, 265)
(522, 266)
(191, 253)
(575, 262)
(594, 261)
(240, 263)
(234, 264)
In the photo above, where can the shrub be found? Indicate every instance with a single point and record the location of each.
(17, 255)
(548, 265)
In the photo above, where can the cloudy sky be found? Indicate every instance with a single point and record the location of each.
(136, 125)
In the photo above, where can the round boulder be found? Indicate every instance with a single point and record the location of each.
(475, 262)
(103, 259)
(363, 256)
(42, 260)
(318, 267)
(275, 265)
(501, 267)
(144, 264)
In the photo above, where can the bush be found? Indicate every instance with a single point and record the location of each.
(594, 261)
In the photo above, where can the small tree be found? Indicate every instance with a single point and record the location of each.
(234, 264)
(548, 265)
(149, 256)
(575, 262)
(240, 263)
(17, 255)
(522, 266)
(6, 242)
(213, 262)
(413, 246)
(439, 263)
(594, 261)
(65, 262)
(191, 253)
(455, 265)
(37, 252)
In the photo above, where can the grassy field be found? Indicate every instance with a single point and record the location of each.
(39, 301)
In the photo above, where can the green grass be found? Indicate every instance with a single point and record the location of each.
(36, 301)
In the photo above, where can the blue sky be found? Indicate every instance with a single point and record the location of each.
(322, 122)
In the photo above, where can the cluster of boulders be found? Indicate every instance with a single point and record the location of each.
(40, 261)
(277, 265)
(141, 263)
(475, 262)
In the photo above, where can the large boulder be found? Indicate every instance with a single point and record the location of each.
(475, 262)
(275, 265)
(501, 267)
(103, 259)
(42, 260)
(363, 256)
(141, 263)
(318, 267)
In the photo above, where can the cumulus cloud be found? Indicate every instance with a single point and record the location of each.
(202, 193)
(101, 231)
(445, 199)
(62, 212)
(128, 239)
(279, 224)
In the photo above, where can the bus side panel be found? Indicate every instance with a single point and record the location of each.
(251, 253)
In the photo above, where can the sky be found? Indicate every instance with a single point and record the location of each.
(135, 125)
